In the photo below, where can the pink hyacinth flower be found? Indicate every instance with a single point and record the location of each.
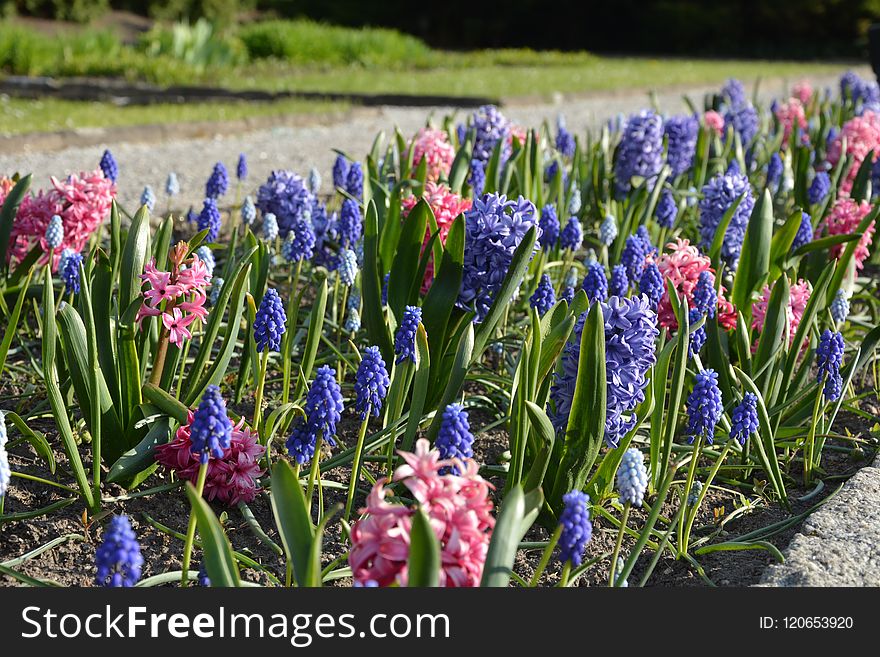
(862, 135)
(803, 91)
(844, 219)
(459, 511)
(714, 122)
(797, 303)
(791, 115)
(433, 146)
(176, 323)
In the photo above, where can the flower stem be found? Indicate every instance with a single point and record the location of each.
(258, 398)
(682, 544)
(314, 471)
(811, 438)
(159, 360)
(617, 544)
(191, 528)
(356, 465)
(566, 573)
(691, 514)
(545, 557)
(292, 314)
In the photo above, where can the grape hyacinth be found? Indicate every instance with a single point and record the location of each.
(651, 284)
(567, 294)
(371, 383)
(576, 527)
(595, 283)
(574, 203)
(544, 297)
(804, 234)
(354, 181)
(248, 211)
(719, 194)
(302, 246)
(630, 335)
(214, 291)
(405, 338)
(211, 428)
(241, 170)
(340, 171)
(477, 177)
(829, 358)
(350, 225)
(572, 235)
(172, 185)
(348, 267)
(323, 408)
(202, 579)
(698, 336)
(666, 210)
(270, 227)
(455, 440)
(819, 188)
(490, 126)
(109, 167)
(55, 233)
(494, 228)
(550, 227)
(118, 557)
(270, 322)
(704, 406)
(705, 297)
(633, 257)
(840, 307)
(207, 257)
(640, 152)
(565, 142)
(632, 477)
(774, 171)
(744, 419)
(352, 321)
(148, 198)
(694, 493)
(618, 284)
(218, 182)
(681, 135)
(314, 181)
(209, 219)
(70, 272)
(608, 230)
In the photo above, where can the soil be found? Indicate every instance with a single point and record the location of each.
(71, 563)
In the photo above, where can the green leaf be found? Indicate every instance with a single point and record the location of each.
(292, 519)
(461, 165)
(35, 438)
(12, 326)
(458, 371)
(421, 383)
(825, 243)
(371, 283)
(423, 565)
(166, 403)
(775, 326)
(721, 231)
(141, 457)
(780, 245)
(505, 540)
(406, 259)
(543, 430)
(216, 551)
(754, 263)
(134, 257)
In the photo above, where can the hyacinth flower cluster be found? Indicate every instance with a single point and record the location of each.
(792, 119)
(69, 266)
(455, 440)
(719, 194)
(232, 477)
(632, 477)
(494, 228)
(82, 203)
(218, 182)
(608, 230)
(210, 220)
(458, 508)
(843, 219)
(323, 408)
(576, 528)
(544, 297)
(636, 250)
(550, 227)
(177, 296)
(118, 558)
(285, 195)
(819, 187)
(595, 283)
(739, 113)
(618, 283)
(667, 209)
(861, 137)
(489, 126)
(270, 322)
(804, 234)
(799, 296)
(109, 166)
(572, 235)
(405, 338)
(829, 358)
(630, 337)
(565, 142)
(640, 153)
(681, 136)
(744, 418)
(371, 383)
(432, 146)
(704, 407)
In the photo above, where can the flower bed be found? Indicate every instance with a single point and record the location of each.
(632, 353)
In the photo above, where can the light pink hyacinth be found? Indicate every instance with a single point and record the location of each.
(433, 146)
(446, 205)
(231, 479)
(714, 121)
(844, 219)
(177, 296)
(803, 91)
(458, 508)
(683, 264)
(791, 115)
(82, 201)
(862, 134)
(797, 303)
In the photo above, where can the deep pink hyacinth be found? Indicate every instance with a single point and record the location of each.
(459, 510)
(433, 146)
(714, 121)
(683, 264)
(803, 91)
(862, 134)
(797, 303)
(177, 296)
(446, 205)
(844, 219)
(791, 115)
(231, 479)
(83, 203)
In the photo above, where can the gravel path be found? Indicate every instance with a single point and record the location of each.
(299, 148)
(839, 545)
